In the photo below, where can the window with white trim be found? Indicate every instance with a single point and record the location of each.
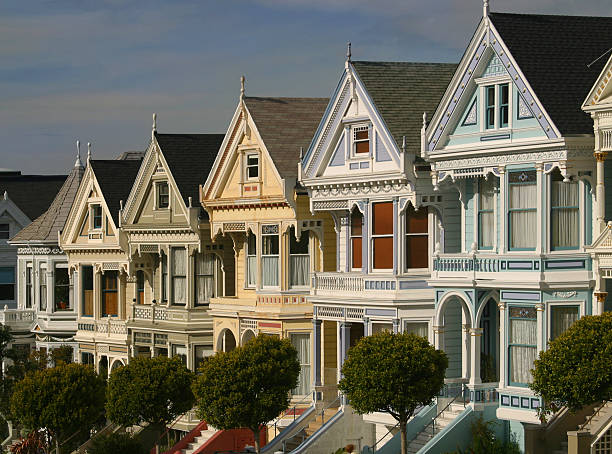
(356, 239)
(522, 344)
(163, 194)
(497, 102)
(179, 276)
(486, 215)
(299, 258)
(42, 287)
(562, 316)
(522, 210)
(382, 235)
(96, 216)
(361, 140)
(270, 254)
(251, 274)
(28, 286)
(564, 213)
(417, 238)
(7, 283)
(252, 166)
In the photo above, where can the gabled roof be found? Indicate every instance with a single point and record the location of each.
(190, 157)
(31, 193)
(115, 178)
(553, 53)
(46, 226)
(286, 125)
(402, 91)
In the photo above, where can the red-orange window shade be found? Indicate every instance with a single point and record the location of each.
(382, 235)
(417, 241)
(356, 234)
(362, 141)
(382, 218)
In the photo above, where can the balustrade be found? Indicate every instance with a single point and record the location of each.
(606, 140)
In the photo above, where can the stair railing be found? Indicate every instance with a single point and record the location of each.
(330, 405)
(595, 413)
(435, 418)
(284, 413)
(375, 445)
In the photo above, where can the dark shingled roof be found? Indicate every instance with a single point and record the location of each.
(115, 178)
(46, 226)
(190, 157)
(31, 193)
(285, 125)
(553, 52)
(402, 91)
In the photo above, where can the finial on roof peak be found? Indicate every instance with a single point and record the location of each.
(348, 51)
(242, 81)
(88, 152)
(78, 162)
(485, 8)
(154, 126)
(5, 196)
(424, 119)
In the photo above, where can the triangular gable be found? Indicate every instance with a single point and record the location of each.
(140, 200)
(601, 93)
(329, 153)
(486, 52)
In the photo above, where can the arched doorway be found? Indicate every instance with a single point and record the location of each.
(454, 320)
(247, 336)
(489, 341)
(227, 341)
(116, 365)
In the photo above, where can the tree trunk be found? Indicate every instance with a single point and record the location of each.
(256, 439)
(403, 436)
(57, 445)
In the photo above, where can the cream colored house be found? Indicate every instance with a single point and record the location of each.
(253, 198)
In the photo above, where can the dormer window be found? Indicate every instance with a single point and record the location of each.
(4, 231)
(252, 166)
(163, 195)
(361, 140)
(96, 216)
(496, 106)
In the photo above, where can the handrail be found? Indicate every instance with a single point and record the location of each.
(373, 447)
(433, 421)
(284, 413)
(595, 413)
(328, 407)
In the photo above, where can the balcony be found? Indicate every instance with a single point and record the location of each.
(519, 267)
(606, 140)
(156, 314)
(17, 319)
(109, 327)
(369, 287)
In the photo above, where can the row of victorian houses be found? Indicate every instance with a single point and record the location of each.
(465, 203)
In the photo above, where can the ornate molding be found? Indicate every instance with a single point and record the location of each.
(362, 190)
(39, 251)
(330, 205)
(568, 294)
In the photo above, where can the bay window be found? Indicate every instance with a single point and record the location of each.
(522, 344)
(356, 238)
(269, 255)
(561, 318)
(110, 299)
(382, 235)
(251, 275)
(179, 276)
(486, 215)
(417, 238)
(87, 281)
(299, 259)
(564, 213)
(205, 268)
(61, 289)
(301, 342)
(522, 212)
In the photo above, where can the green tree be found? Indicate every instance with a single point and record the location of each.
(60, 400)
(153, 390)
(248, 386)
(484, 440)
(116, 443)
(63, 354)
(575, 370)
(393, 373)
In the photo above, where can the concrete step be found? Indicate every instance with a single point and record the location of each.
(199, 441)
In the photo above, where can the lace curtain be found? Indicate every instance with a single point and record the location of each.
(299, 269)
(206, 265)
(523, 223)
(562, 318)
(301, 342)
(487, 219)
(418, 328)
(179, 273)
(522, 356)
(565, 222)
(270, 271)
(251, 271)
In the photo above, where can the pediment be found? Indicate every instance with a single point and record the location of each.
(601, 93)
(462, 115)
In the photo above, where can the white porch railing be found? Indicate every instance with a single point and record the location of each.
(108, 327)
(606, 140)
(17, 318)
(372, 286)
(154, 313)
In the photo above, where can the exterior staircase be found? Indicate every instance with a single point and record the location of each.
(435, 427)
(562, 449)
(311, 428)
(198, 441)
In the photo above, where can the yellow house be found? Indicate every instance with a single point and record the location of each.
(252, 196)
(97, 253)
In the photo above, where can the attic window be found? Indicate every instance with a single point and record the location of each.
(163, 195)
(252, 166)
(361, 139)
(4, 231)
(96, 216)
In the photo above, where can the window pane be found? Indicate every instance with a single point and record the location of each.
(109, 293)
(163, 195)
(356, 222)
(270, 245)
(523, 331)
(140, 283)
(418, 328)
(486, 194)
(356, 252)
(270, 271)
(7, 283)
(486, 229)
(521, 360)
(417, 255)
(383, 253)
(298, 247)
(97, 217)
(361, 135)
(251, 271)
(301, 342)
(61, 291)
(4, 231)
(416, 221)
(362, 147)
(523, 196)
(87, 282)
(524, 229)
(179, 260)
(562, 318)
(299, 268)
(251, 244)
(382, 218)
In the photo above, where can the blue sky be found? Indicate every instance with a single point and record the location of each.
(96, 70)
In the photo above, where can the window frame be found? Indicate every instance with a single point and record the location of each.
(248, 166)
(56, 267)
(164, 277)
(551, 305)
(552, 208)
(104, 291)
(353, 236)
(264, 236)
(174, 277)
(42, 287)
(29, 286)
(309, 365)
(7, 230)
(487, 211)
(84, 270)
(355, 141)
(13, 284)
(494, 106)
(165, 205)
(249, 254)
(374, 236)
(415, 234)
(512, 344)
(490, 107)
(501, 106)
(140, 287)
(96, 219)
(510, 210)
(197, 274)
(304, 239)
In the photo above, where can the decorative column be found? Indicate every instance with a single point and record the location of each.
(396, 323)
(600, 193)
(502, 344)
(540, 307)
(367, 326)
(316, 330)
(345, 341)
(600, 299)
(465, 357)
(501, 247)
(439, 337)
(476, 336)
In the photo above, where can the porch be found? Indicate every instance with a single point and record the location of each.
(17, 319)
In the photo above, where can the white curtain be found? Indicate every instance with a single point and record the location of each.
(522, 356)
(179, 273)
(251, 270)
(270, 271)
(205, 277)
(523, 223)
(418, 328)
(301, 342)
(300, 269)
(562, 318)
(565, 221)
(487, 218)
(43, 288)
